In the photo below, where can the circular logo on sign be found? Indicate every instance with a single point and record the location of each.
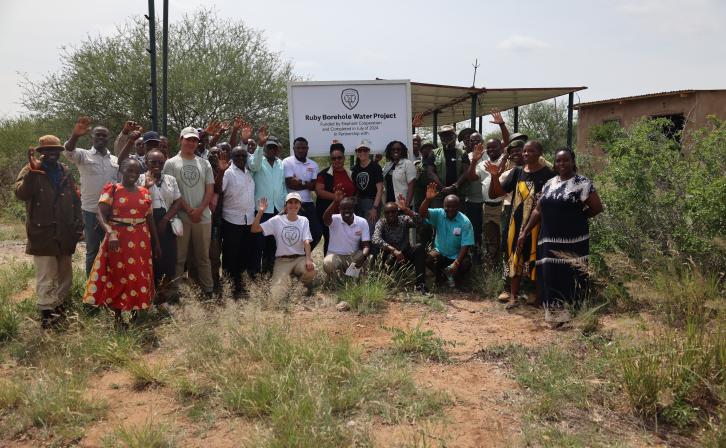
(362, 180)
(290, 235)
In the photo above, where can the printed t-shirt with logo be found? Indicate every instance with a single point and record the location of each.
(289, 235)
(192, 176)
(365, 179)
(345, 239)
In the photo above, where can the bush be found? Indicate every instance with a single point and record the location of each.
(661, 197)
(419, 343)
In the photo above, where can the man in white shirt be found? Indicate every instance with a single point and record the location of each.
(349, 237)
(97, 167)
(238, 212)
(300, 176)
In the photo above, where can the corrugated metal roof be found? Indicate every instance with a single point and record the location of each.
(454, 102)
(647, 95)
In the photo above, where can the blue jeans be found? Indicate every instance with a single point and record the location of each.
(94, 235)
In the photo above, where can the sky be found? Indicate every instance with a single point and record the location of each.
(614, 47)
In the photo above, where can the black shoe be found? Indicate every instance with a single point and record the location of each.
(46, 319)
(421, 289)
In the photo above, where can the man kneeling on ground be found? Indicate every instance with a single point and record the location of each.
(292, 235)
(454, 236)
(390, 238)
(348, 233)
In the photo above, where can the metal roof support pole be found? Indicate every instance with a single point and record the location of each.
(481, 120)
(516, 119)
(472, 123)
(164, 68)
(152, 57)
(570, 100)
(436, 128)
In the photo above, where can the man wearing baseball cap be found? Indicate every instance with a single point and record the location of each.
(269, 176)
(53, 223)
(196, 183)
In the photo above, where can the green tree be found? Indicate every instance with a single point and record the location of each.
(545, 121)
(218, 68)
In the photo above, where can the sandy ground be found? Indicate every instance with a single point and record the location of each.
(486, 404)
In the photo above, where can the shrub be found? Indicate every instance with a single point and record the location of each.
(419, 343)
(661, 197)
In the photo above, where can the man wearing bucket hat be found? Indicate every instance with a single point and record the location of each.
(53, 223)
(447, 165)
(269, 176)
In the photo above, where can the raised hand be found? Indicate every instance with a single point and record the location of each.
(32, 160)
(262, 135)
(491, 168)
(82, 127)
(149, 180)
(477, 153)
(223, 127)
(339, 193)
(431, 191)
(496, 117)
(223, 163)
(237, 122)
(262, 205)
(417, 120)
(401, 203)
(213, 127)
(128, 127)
(246, 132)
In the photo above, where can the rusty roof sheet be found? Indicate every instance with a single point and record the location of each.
(647, 95)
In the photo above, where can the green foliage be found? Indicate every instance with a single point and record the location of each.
(148, 435)
(13, 278)
(368, 293)
(218, 68)
(545, 121)
(663, 199)
(677, 377)
(418, 343)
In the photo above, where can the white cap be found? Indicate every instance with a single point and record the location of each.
(293, 195)
(364, 144)
(189, 132)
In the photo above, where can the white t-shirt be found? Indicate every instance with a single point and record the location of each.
(345, 239)
(305, 171)
(289, 235)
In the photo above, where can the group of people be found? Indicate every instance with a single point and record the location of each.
(235, 209)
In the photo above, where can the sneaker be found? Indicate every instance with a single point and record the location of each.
(504, 296)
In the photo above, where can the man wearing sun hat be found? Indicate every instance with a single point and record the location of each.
(53, 223)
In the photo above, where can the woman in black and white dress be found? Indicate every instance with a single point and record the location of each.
(563, 248)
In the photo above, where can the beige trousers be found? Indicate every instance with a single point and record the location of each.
(335, 265)
(53, 278)
(286, 267)
(199, 235)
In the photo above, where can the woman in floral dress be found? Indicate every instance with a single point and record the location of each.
(122, 277)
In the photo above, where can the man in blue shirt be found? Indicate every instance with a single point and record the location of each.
(454, 236)
(269, 176)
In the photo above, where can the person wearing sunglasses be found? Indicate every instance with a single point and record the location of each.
(328, 180)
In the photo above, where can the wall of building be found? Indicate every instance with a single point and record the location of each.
(694, 106)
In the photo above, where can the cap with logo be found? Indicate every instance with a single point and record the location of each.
(363, 144)
(189, 132)
(293, 195)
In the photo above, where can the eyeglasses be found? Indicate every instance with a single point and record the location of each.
(363, 150)
(337, 158)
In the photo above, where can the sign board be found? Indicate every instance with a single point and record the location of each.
(349, 111)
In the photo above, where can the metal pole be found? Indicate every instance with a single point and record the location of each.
(481, 121)
(164, 68)
(152, 54)
(570, 99)
(516, 119)
(436, 128)
(472, 122)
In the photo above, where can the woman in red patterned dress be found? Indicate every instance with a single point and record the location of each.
(122, 277)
